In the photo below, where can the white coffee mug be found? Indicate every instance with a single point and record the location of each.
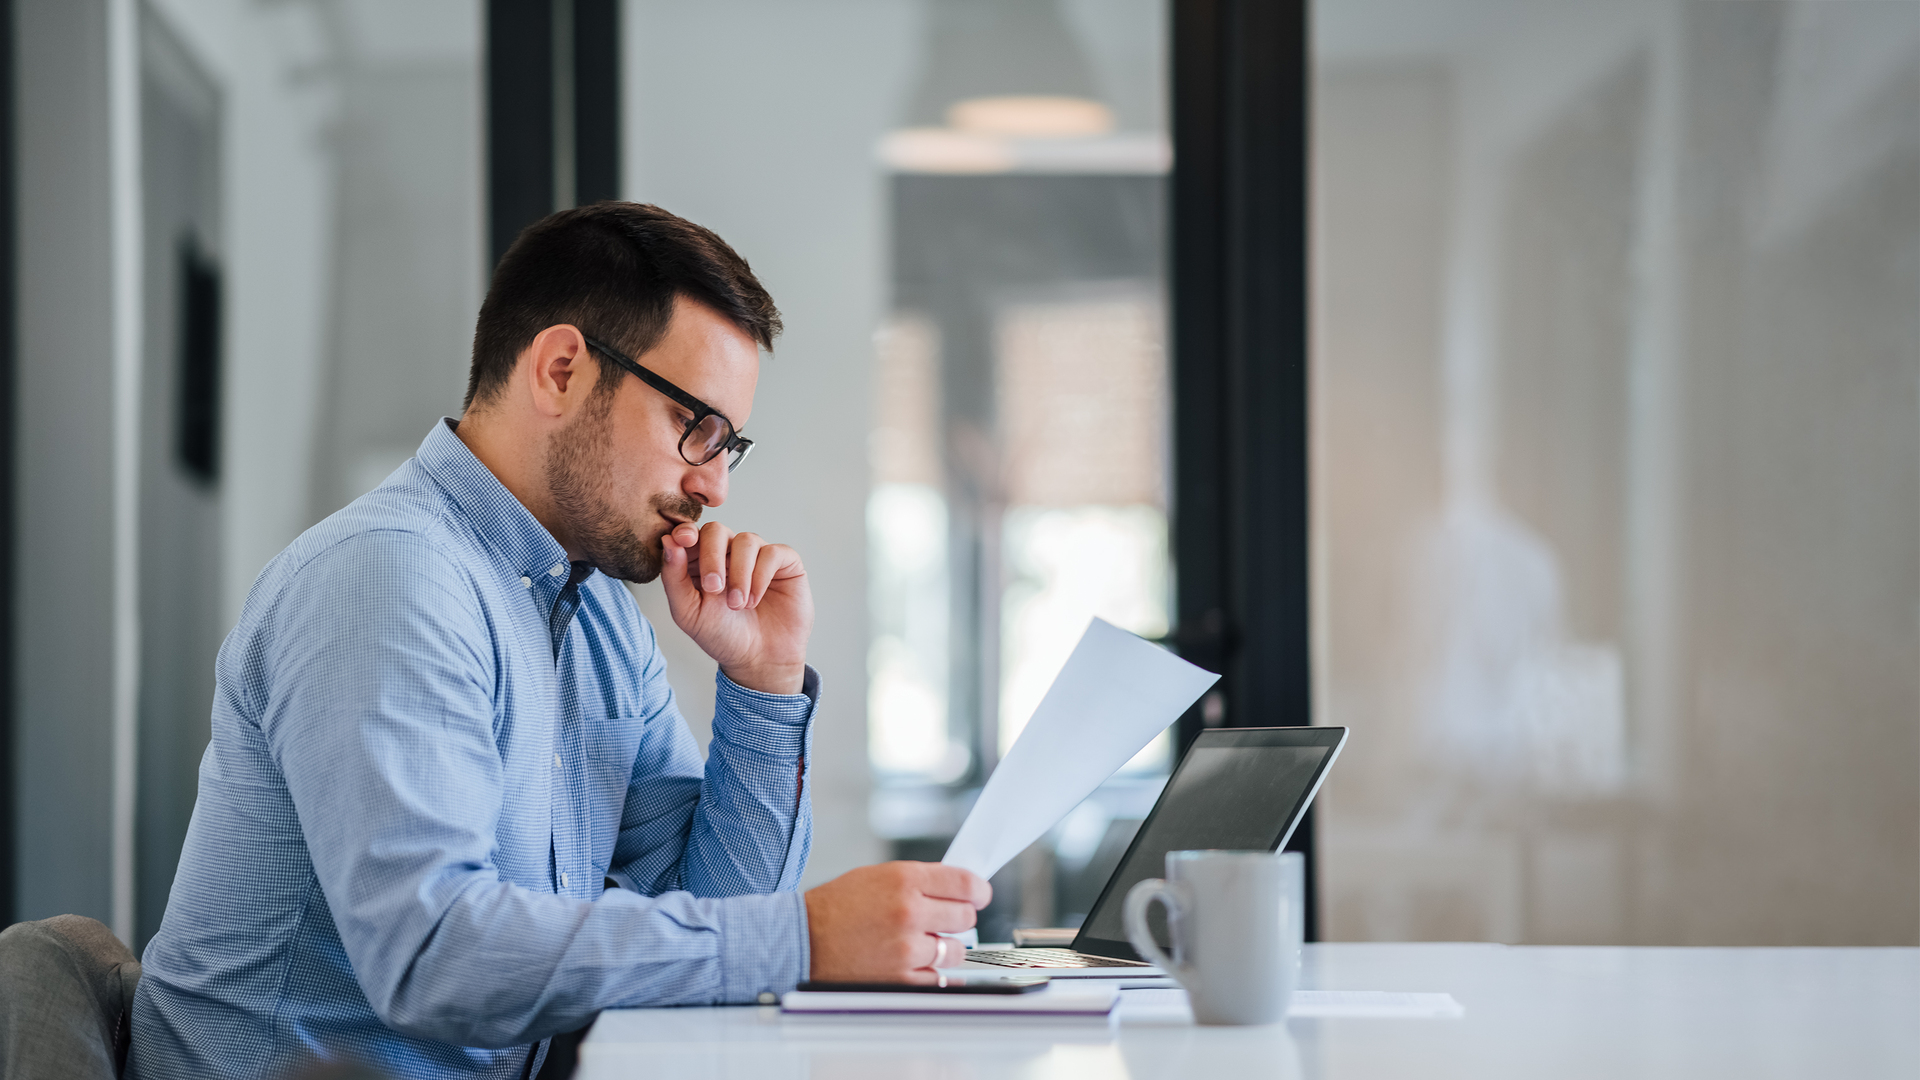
(1293, 912)
(1225, 914)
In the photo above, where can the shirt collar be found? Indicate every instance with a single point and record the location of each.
(501, 520)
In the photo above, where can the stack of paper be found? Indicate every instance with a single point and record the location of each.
(1054, 1000)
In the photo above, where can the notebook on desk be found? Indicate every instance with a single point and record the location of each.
(1237, 788)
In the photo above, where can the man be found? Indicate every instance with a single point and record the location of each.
(442, 734)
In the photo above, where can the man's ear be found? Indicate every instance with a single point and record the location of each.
(557, 370)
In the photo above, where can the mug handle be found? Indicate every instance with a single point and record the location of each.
(1139, 899)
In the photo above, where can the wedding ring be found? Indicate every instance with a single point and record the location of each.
(939, 952)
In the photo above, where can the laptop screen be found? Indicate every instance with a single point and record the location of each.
(1237, 788)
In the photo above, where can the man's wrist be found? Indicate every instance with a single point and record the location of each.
(784, 679)
(779, 725)
(764, 946)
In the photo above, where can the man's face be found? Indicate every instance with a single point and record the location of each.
(617, 478)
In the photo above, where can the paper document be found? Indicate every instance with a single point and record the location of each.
(1115, 694)
(1053, 1000)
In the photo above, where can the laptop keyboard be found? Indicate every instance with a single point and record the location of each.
(1045, 958)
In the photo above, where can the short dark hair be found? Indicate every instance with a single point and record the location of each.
(614, 270)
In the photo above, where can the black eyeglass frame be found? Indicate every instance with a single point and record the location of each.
(733, 444)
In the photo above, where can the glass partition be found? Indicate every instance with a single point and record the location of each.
(958, 205)
(1617, 469)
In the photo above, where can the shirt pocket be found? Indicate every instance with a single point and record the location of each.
(611, 745)
(614, 741)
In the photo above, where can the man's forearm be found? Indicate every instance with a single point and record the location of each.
(751, 829)
(569, 959)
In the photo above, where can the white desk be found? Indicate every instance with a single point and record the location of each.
(1562, 1013)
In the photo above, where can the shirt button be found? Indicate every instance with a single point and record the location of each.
(558, 569)
(563, 879)
(556, 761)
(527, 581)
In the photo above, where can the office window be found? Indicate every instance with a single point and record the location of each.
(1020, 445)
(958, 205)
(1027, 345)
(1617, 470)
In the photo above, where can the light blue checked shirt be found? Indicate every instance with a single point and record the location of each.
(420, 778)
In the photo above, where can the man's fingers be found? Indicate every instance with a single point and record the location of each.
(741, 555)
(948, 953)
(946, 916)
(952, 883)
(940, 951)
(776, 560)
(713, 557)
(674, 568)
(879, 922)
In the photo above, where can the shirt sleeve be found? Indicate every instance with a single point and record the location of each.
(380, 716)
(748, 826)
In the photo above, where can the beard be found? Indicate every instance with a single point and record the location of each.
(579, 478)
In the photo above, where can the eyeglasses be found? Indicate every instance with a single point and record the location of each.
(709, 434)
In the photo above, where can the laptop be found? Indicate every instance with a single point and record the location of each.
(1237, 788)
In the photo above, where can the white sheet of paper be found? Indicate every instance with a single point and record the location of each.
(1116, 692)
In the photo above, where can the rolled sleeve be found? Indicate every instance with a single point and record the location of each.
(763, 945)
(777, 725)
(753, 826)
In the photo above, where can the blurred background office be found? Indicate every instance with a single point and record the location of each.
(1611, 443)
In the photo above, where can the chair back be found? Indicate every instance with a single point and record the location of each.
(66, 996)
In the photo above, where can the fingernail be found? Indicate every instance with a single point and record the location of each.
(711, 582)
(736, 599)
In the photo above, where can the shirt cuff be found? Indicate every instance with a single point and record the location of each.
(774, 724)
(763, 946)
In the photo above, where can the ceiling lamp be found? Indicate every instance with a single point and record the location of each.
(943, 150)
(1031, 116)
(1005, 86)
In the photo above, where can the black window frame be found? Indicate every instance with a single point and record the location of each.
(543, 104)
(1239, 303)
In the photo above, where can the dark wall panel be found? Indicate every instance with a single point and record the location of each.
(519, 118)
(544, 102)
(1239, 271)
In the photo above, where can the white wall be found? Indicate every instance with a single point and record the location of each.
(273, 65)
(343, 122)
(63, 626)
(409, 259)
(354, 252)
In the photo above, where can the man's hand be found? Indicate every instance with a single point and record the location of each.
(877, 923)
(742, 600)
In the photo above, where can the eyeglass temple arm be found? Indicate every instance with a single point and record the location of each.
(699, 408)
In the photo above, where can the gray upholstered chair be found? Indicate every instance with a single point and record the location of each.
(66, 991)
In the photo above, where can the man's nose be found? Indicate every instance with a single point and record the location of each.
(707, 484)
